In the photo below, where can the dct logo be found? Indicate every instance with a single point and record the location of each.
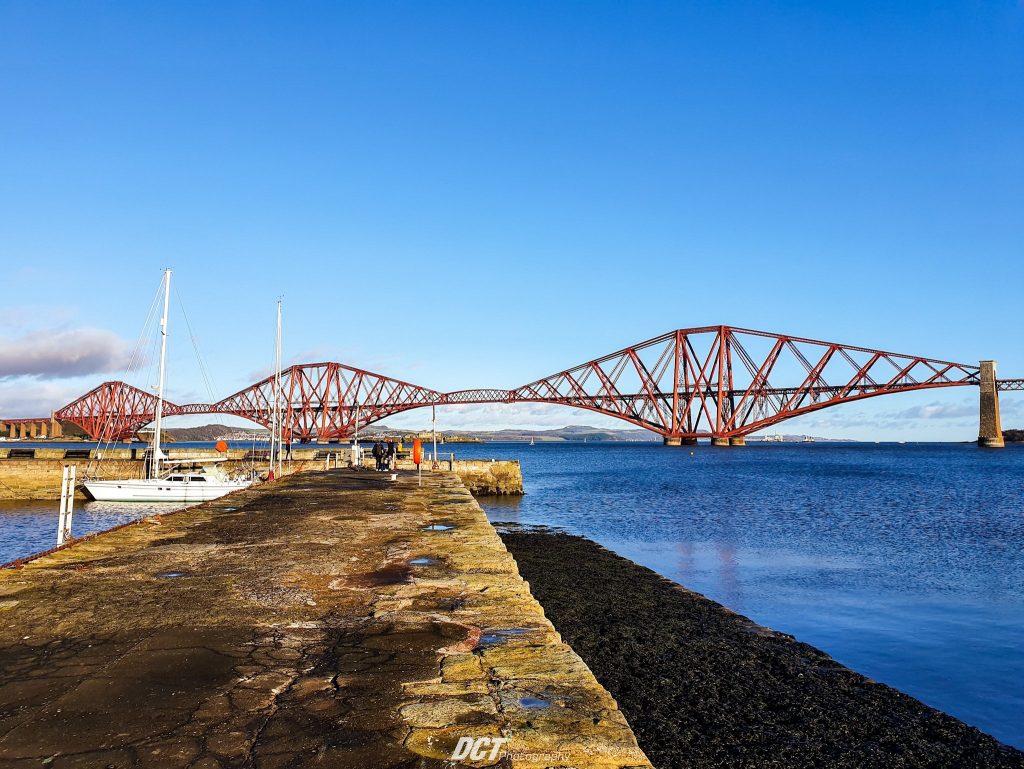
(476, 750)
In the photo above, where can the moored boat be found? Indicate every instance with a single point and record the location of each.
(172, 485)
(191, 481)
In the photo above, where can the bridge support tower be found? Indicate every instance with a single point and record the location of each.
(990, 427)
(675, 440)
(738, 440)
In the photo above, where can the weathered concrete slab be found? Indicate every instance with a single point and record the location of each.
(332, 619)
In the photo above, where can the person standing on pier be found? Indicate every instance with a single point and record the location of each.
(378, 455)
(392, 453)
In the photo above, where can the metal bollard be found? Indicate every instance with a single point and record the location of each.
(67, 504)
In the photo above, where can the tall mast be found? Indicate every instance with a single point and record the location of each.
(277, 389)
(155, 464)
(275, 418)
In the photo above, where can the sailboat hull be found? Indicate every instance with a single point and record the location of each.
(157, 490)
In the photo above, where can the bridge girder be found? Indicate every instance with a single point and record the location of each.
(709, 381)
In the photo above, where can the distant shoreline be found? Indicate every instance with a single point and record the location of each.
(364, 439)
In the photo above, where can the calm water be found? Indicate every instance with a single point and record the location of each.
(904, 562)
(30, 527)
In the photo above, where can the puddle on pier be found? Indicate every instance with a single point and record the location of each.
(496, 637)
(439, 527)
(424, 561)
(534, 703)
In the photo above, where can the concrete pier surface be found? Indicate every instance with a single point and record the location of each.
(329, 619)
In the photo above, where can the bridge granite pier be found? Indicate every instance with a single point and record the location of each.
(329, 619)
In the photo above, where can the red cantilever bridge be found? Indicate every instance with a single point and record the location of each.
(716, 382)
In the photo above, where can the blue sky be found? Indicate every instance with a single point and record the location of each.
(480, 194)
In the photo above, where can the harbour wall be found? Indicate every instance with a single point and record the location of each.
(36, 473)
(483, 477)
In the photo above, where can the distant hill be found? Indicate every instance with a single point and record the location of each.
(570, 433)
(793, 438)
(1014, 436)
(203, 433)
(561, 434)
(578, 433)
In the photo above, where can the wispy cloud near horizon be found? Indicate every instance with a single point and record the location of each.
(21, 399)
(937, 411)
(62, 353)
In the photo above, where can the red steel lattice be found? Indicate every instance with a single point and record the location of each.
(711, 381)
(113, 410)
(720, 381)
(320, 400)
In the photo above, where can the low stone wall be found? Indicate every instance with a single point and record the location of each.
(493, 477)
(483, 477)
(87, 451)
(39, 477)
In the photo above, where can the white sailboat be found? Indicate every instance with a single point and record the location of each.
(189, 485)
(174, 485)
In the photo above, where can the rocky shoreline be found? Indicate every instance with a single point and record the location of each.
(705, 687)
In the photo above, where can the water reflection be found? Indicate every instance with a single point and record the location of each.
(503, 508)
(904, 562)
(30, 526)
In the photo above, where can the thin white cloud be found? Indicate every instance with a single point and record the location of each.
(498, 416)
(31, 398)
(55, 354)
(937, 411)
(1011, 403)
(29, 317)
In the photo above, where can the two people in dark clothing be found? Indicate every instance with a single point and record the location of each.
(384, 455)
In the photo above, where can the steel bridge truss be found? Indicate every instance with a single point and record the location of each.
(323, 401)
(720, 381)
(711, 381)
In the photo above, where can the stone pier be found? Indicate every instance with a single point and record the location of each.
(990, 428)
(327, 619)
